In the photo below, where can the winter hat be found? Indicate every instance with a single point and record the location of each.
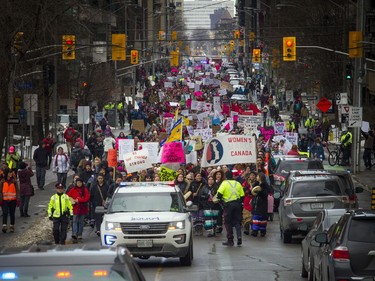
(79, 179)
(59, 185)
(11, 149)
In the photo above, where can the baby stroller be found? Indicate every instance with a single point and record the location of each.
(210, 221)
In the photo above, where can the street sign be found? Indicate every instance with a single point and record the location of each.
(355, 117)
(13, 121)
(311, 97)
(343, 98)
(289, 95)
(324, 105)
(83, 115)
(30, 102)
(22, 114)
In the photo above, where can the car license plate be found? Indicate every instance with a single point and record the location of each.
(144, 243)
(317, 205)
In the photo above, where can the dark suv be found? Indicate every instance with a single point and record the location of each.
(68, 262)
(284, 165)
(309, 192)
(348, 249)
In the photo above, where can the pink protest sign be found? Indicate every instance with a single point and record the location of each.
(173, 152)
(188, 103)
(198, 94)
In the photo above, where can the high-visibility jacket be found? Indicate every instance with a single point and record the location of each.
(60, 204)
(290, 126)
(119, 106)
(9, 191)
(231, 190)
(310, 122)
(346, 139)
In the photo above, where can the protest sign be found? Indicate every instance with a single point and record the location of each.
(168, 85)
(217, 104)
(137, 160)
(173, 152)
(204, 133)
(292, 137)
(229, 149)
(167, 174)
(112, 158)
(125, 146)
(279, 128)
(152, 148)
(138, 125)
(192, 158)
(222, 92)
(191, 85)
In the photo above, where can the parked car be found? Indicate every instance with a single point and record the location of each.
(309, 192)
(308, 246)
(284, 165)
(68, 262)
(347, 250)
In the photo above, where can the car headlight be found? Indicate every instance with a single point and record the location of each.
(176, 225)
(113, 226)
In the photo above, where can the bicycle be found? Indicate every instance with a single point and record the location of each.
(334, 156)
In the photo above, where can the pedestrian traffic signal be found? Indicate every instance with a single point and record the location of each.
(118, 47)
(134, 57)
(355, 44)
(161, 35)
(256, 55)
(289, 48)
(348, 72)
(68, 47)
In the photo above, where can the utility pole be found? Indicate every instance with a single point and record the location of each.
(357, 91)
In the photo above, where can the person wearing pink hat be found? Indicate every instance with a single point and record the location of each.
(12, 158)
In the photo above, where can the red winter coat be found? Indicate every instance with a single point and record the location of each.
(83, 196)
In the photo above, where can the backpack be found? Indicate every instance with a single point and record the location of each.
(76, 157)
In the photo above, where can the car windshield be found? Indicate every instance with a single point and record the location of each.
(146, 202)
(82, 273)
(285, 167)
(316, 188)
(362, 230)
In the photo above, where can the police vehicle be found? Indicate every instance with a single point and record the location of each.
(150, 219)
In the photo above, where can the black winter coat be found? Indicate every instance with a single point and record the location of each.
(260, 201)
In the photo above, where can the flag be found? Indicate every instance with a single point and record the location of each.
(176, 131)
(176, 114)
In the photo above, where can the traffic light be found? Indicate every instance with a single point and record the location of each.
(231, 46)
(252, 36)
(18, 42)
(161, 36)
(134, 57)
(118, 47)
(68, 47)
(174, 35)
(289, 48)
(355, 44)
(256, 55)
(174, 58)
(348, 72)
(237, 34)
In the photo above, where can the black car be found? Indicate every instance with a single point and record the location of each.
(347, 250)
(71, 263)
(284, 165)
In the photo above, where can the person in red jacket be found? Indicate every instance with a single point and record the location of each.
(49, 145)
(68, 135)
(80, 197)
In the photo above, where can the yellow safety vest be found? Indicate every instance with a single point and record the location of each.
(54, 205)
(231, 190)
(290, 126)
(310, 122)
(348, 142)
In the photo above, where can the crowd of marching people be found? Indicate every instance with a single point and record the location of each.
(238, 195)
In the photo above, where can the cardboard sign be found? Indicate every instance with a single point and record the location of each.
(204, 133)
(112, 158)
(173, 152)
(167, 174)
(229, 149)
(125, 146)
(137, 160)
(138, 125)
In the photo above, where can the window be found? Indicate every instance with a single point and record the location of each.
(146, 202)
(362, 230)
(316, 188)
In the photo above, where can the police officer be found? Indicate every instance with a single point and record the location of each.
(59, 211)
(346, 146)
(310, 122)
(231, 194)
(290, 126)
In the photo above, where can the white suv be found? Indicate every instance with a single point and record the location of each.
(150, 219)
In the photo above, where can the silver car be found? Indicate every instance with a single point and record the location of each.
(307, 193)
(308, 248)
